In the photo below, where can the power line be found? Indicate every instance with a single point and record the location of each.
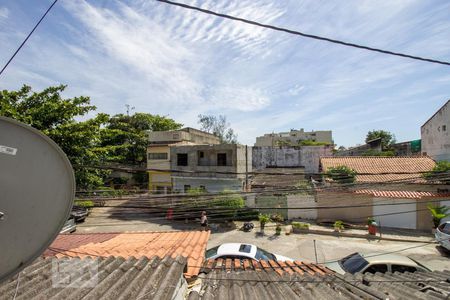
(28, 36)
(312, 36)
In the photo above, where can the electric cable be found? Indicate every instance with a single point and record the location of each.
(306, 35)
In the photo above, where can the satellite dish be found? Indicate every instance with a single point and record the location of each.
(37, 188)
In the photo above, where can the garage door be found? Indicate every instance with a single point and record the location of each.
(402, 214)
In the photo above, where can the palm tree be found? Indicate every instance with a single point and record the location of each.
(438, 213)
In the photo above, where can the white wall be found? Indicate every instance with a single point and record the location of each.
(404, 220)
(299, 200)
(212, 185)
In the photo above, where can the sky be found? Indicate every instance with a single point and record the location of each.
(179, 63)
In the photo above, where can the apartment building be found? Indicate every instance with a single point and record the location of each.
(294, 138)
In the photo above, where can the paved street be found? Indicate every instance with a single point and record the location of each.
(296, 246)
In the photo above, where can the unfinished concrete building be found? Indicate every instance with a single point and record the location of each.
(158, 154)
(213, 168)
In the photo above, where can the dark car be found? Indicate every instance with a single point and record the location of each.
(79, 213)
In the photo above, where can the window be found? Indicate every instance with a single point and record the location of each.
(211, 252)
(221, 159)
(262, 254)
(245, 248)
(187, 187)
(444, 228)
(182, 159)
(353, 263)
(444, 127)
(156, 156)
(201, 154)
(160, 189)
(376, 269)
(403, 269)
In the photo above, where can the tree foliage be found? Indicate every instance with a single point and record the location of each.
(92, 142)
(55, 116)
(440, 172)
(126, 136)
(341, 174)
(387, 138)
(218, 126)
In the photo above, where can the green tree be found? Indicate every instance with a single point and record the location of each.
(126, 136)
(218, 126)
(341, 174)
(440, 172)
(55, 116)
(387, 138)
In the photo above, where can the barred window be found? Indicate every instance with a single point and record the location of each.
(157, 155)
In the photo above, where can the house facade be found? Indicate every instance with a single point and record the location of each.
(213, 168)
(435, 134)
(294, 138)
(158, 154)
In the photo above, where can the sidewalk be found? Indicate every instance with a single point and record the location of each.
(388, 234)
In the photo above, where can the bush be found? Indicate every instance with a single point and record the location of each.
(338, 225)
(341, 174)
(84, 203)
(277, 218)
(438, 213)
(263, 218)
(300, 225)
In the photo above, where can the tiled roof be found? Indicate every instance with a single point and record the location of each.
(190, 244)
(237, 285)
(279, 267)
(99, 278)
(383, 169)
(402, 194)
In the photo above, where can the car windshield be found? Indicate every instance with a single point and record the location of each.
(211, 252)
(353, 263)
(262, 254)
(445, 228)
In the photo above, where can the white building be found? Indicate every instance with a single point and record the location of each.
(435, 134)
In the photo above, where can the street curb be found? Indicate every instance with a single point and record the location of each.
(361, 236)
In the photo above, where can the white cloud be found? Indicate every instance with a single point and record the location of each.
(172, 61)
(241, 99)
(4, 13)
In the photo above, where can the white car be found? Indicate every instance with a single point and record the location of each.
(242, 251)
(375, 263)
(442, 235)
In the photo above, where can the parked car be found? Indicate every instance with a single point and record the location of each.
(242, 251)
(69, 226)
(79, 213)
(442, 235)
(375, 262)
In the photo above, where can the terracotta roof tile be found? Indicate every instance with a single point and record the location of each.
(382, 169)
(279, 267)
(189, 244)
(402, 194)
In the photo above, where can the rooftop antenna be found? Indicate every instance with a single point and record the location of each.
(37, 188)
